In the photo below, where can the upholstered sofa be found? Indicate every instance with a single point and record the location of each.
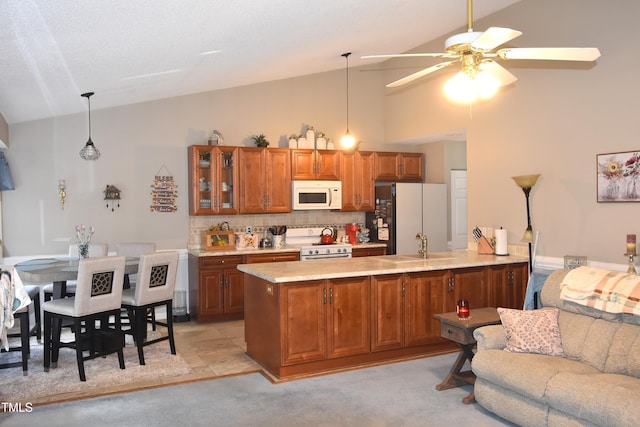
(596, 382)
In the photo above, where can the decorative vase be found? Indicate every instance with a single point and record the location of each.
(83, 250)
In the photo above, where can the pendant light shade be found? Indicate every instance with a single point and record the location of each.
(89, 151)
(348, 142)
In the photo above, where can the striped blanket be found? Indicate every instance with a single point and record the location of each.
(604, 290)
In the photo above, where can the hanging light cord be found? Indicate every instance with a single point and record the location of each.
(89, 101)
(346, 55)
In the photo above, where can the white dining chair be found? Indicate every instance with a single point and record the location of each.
(155, 288)
(95, 250)
(98, 297)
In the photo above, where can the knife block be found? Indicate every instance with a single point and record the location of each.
(484, 247)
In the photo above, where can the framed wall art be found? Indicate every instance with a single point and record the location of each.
(618, 176)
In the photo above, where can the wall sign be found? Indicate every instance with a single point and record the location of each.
(163, 192)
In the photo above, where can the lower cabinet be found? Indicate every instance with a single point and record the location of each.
(508, 285)
(403, 306)
(216, 286)
(325, 319)
(298, 328)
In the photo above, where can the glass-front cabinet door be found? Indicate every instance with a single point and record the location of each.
(212, 180)
(227, 196)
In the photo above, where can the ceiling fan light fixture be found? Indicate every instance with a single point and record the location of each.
(464, 88)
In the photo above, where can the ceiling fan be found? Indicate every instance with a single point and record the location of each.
(474, 50)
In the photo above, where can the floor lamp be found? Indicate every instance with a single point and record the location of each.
(526, 182)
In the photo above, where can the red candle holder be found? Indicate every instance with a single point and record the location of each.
(463, 309)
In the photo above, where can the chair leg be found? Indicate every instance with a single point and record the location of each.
(47, 340)
(172, 342)
(118, 322)
(79, 358)
(24, 340)
(140, 315)
(36, 308)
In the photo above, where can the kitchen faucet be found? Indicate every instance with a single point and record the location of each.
(424, 245)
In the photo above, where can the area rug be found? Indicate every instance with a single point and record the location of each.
(100, 372)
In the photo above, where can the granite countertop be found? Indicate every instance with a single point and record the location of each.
(297, 271)
(203, 253)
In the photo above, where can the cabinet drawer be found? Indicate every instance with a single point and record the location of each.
(456, 334)
(272, 257)
(217, 261)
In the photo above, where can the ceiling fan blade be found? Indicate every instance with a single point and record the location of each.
(551, 53)
(498, 71)
(403, 55)
(494, 37)
(420, 73)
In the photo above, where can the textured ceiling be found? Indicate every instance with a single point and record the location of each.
(129, 51)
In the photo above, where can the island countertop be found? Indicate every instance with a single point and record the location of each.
(298, 271)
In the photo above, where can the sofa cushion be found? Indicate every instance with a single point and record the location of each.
(524, 373)
(624, 353)
(532, 331)
(601, 399)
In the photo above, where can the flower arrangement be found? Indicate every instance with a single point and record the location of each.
(83, 234)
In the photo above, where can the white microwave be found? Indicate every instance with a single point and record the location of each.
(316, 195)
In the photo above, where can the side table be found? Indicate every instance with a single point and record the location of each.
(460, 331)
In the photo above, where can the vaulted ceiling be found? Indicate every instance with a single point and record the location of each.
(130, 51)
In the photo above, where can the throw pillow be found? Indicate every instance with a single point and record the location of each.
(532, 331)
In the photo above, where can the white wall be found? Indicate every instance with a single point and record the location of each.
(554, 120)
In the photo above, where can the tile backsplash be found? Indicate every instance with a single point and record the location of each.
(198, 224)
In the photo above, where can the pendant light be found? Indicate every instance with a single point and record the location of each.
(348, 142)
(89, 151)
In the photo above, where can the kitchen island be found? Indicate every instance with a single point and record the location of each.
(309, 317)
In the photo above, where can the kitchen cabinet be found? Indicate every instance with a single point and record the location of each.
(265, 180)
(362, 250)
(325, 319)
(308, 326)
(315, 164)
(508, 284)
(216, 288)
(212, 180)
(271, 257)
(471, 284)
(399, 167)
(403, 306)
(358, 186)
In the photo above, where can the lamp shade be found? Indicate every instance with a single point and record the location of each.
(526, 181)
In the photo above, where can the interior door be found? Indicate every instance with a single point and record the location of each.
(458, 209)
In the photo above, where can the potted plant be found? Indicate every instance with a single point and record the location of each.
(261, 140)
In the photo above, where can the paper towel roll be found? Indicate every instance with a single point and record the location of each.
(501, 242)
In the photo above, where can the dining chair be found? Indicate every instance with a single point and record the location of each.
(157, 280)
(9, 286)
(95, 250)
(98, 297)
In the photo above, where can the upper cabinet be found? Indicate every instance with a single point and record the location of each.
(357, 181)
(212, 180)
(399, 167)
(265, 180)
(315, 164)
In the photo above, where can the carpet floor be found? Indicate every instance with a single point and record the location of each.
(397, 394)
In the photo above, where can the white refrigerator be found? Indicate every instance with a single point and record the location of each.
(405, 209)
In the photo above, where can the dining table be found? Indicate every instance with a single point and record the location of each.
(59, 270)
